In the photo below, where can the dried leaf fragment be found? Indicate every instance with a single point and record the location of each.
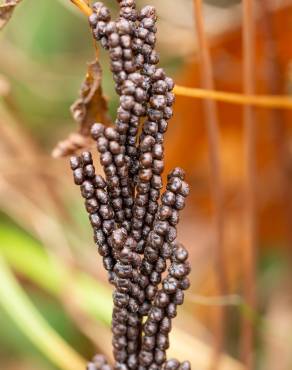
(90, 107)
(6, 10)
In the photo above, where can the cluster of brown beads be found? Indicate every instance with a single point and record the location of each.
(134, 224)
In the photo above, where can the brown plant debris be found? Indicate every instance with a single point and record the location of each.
(6, 10)
(90, 107)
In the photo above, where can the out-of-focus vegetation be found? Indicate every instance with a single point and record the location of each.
(55, 305)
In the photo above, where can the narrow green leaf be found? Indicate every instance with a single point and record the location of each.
(28, 258)
(34, 326)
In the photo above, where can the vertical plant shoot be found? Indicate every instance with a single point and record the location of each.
(134, 223)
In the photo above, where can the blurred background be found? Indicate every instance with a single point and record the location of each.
(55, 303)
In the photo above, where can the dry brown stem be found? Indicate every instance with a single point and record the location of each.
(211, 115)
(263, 101)
(249, 252)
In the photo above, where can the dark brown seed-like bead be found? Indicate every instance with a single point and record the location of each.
(147, 143)
(103, 250)
(145, 358)
(97, 130)
(120, 365)
(146, 160)
(132, 346)
(116, 53)
(151, 254)
(124, 26)
(159, 87)
(154, 366)
(171, 234)
(185, 365)
(158, 151)
(99, 237)
(144, 309)
(162, 341)
(87, 189)
(158, 166)
(185, 283)
(161, 299)
(174, 184)
(132, 361)
(177, 172)
(179, 202)
(171, 364)
(150, 328)
(167, 113)
(156, 182)
(160, 265)
(180, 253)
(170, 285)
(106, 212)
(120, 356)
(149, 342)
(170, 83)
(147, 11)
(171, 310)
(99, 182)
(95, 220)
(168, 198)
(159, 356)
(86, 158)
(155, 278)
(132, 332)
(145, 174)
(156, 314)
(78, 176)
(75, 162)
(179, 297)
(106, 158)
(166, 250)
(91, 205)
(161, 227)
(151, 291)
(114, 40)
(158, 101)
(108, 263)
(185, 189)
(165, 326)
(164, 212)
(89, 170)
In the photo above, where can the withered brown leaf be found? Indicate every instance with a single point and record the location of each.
(90, 107)
(6, 10)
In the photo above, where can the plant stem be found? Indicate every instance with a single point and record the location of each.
(249, 252)
(211, 115)
(83, 7)
(264, 101)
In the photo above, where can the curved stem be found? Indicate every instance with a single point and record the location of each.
(83, 7)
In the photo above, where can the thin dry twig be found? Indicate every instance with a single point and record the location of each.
(83, 6)
(249, 252)
(211, 115)
(262, 101)
(276, 85)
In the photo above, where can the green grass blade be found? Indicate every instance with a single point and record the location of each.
(21, 310)
(28, 257)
